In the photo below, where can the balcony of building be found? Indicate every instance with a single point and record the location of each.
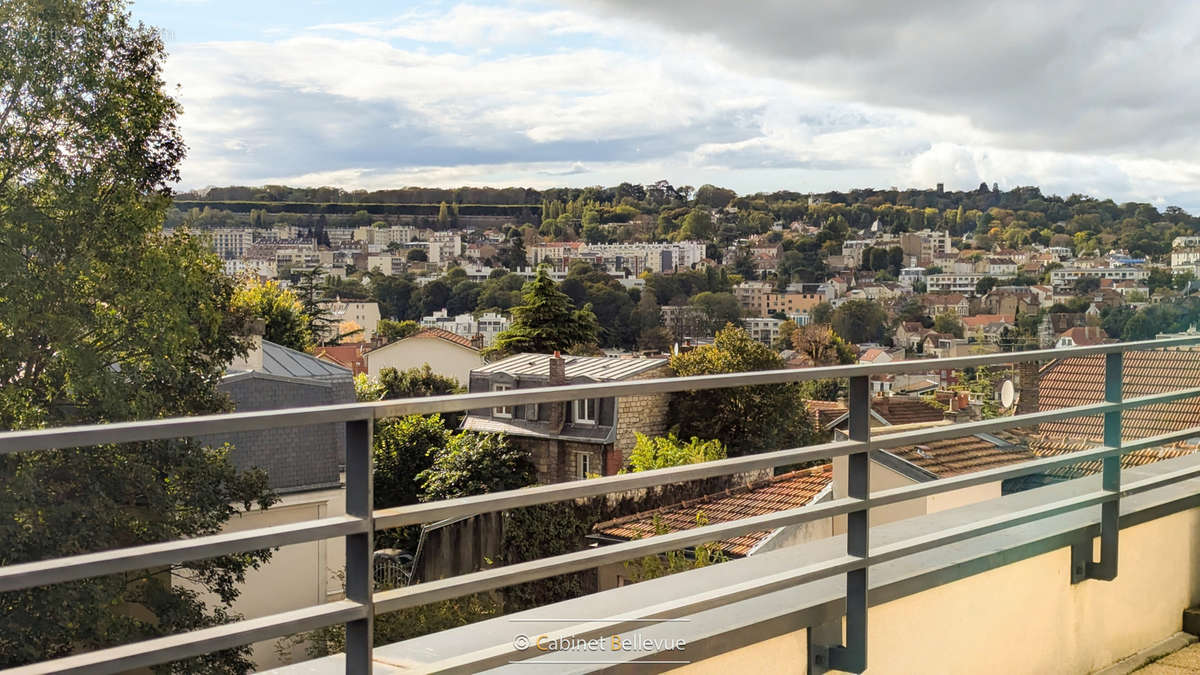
(989, 556)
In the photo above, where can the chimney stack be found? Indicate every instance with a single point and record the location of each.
(477, 341)
(558, 378)
(1027, 387)
(255, 329)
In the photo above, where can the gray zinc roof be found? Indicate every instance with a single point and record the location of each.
(598, 368)
(284, 362)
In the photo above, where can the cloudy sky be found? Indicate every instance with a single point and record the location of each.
(1095, 96)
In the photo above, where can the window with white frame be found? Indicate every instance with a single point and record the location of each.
(583, 465)
(585, 410)
(502, 411)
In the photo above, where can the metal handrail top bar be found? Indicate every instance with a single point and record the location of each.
(177, 427)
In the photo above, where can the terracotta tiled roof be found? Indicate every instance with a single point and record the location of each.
(1086, 335)
(789, 491)
(1046, 445)
(825, 411)
(443, 334)
(348, 356)
(956, 456)
(1078, 381)
(905, 410)
(984, 319)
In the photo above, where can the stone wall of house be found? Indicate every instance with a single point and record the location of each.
(646, 414)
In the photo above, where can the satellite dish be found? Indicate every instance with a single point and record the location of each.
(1007, 394)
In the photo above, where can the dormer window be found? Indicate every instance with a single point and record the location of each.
(502, 411)
(585, 410)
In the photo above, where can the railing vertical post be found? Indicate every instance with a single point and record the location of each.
(359, 547)
(852, 657)
(1110, 512)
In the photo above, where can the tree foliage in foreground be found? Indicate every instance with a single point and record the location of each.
(746, 419)
(103, 318)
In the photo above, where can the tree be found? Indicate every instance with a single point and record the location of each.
(1086, 285)
(286, 323)
(985, 285)
(718, 308)
(474, 464)
(104, 318)
(403, 448)
(746, 419)
(415, 382)
(396, 330)
(949, 323)
(822, 313)
(416, 255)
(661, 452)
(859, 321)
(820, 346)
(546, 322)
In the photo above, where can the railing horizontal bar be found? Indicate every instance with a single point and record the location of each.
(125, 432)
(442, 589)
(195, 643)
(955, 534)
(177, 427)
(503, 653)
(543, 494)
(58, 570)
(941, 485)
(1138, 486)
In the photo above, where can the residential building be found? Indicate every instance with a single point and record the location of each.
(958, 282)
(350, 313)
(487, 325)
(1082, 336)
(1067, 275)
(573, 440)
(763, 329)
(447, 354)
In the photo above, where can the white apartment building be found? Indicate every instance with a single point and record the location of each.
(488, 324)
(1184, 257)
(382, 236)
(444, 247)
(1186, 241)
(1066, 275)
(909, 276)
(231, 243)
(956, 283)
(616, 258)
(765, 330)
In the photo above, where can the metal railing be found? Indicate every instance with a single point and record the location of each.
(360, 522)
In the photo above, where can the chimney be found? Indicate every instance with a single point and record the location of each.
(960, 407)
(477, 341)
(1027, 387)
(255, 329)
(880, 404)
(558, 378)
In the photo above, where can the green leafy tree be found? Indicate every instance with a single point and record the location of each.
(718, 309)
(474, 464)
(404, 447)
(103, 318)
(661, 452)
(396, 330)
(546, 322)
(746, 419)
(416, 255)
(859, 321)
(985, 285)
(286, 323)
(822, 313)
(949, 323)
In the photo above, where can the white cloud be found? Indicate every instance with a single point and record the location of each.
(817, 96)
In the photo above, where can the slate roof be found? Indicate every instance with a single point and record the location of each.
(516, 427)
(596, 368)
(789, 491)
(1080, 380)
(281, 361)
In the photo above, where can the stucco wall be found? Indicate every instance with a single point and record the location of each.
(297, 576)
(1025, 617)
(445, 358)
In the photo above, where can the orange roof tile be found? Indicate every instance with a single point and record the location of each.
(1080, 380)
(443, 334)
(955, 456)
(905, 410)
(789, 491)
